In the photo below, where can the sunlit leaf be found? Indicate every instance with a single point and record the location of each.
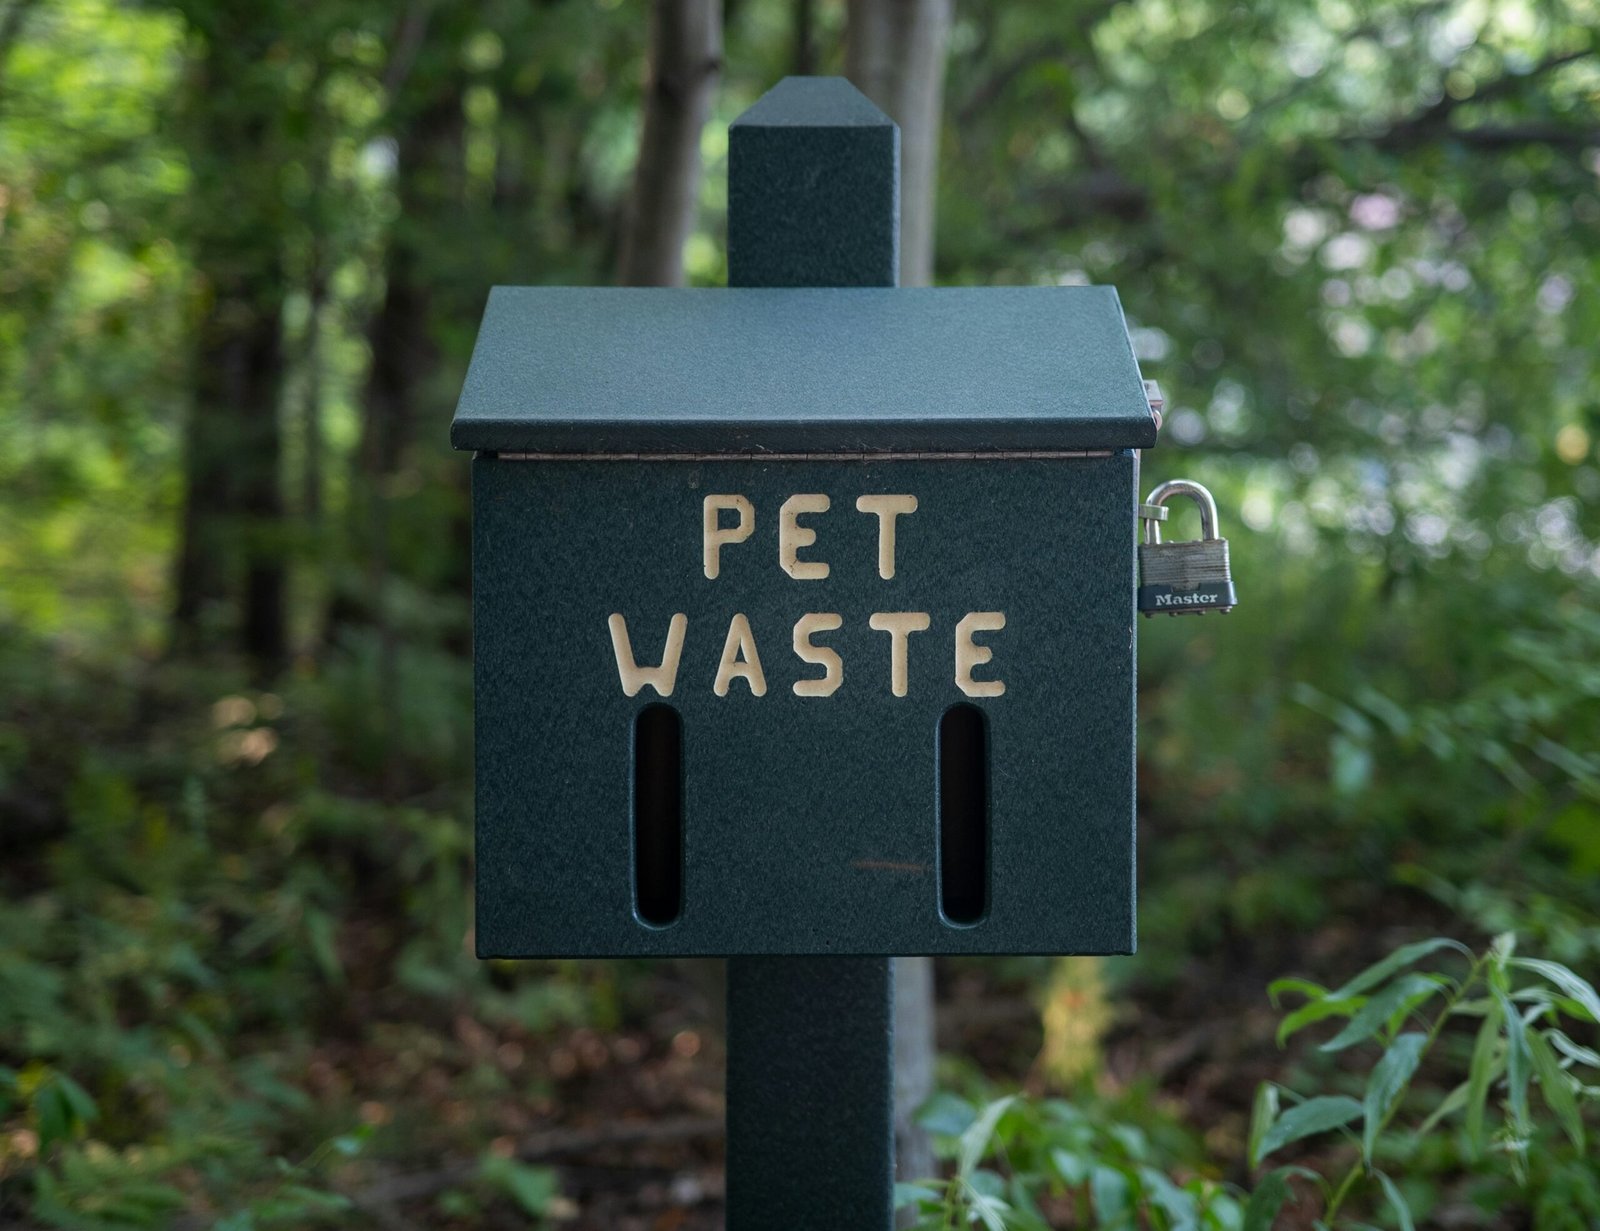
(1570, 984)
(1573, 1051)
(975, 1139)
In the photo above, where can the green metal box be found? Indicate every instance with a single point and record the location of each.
(804, 620)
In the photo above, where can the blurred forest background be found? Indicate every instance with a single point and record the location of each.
(244, 245)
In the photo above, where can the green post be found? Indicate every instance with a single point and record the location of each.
(813, 201)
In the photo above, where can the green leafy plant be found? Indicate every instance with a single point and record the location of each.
(1025, 1164)
(1032, 1164)
(1522, 1008)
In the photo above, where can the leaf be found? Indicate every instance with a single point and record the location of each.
(1400, 997)
(1485, 1068)
(1071, 1167)
(1180, 1207)
(947, 1115)
(1387, 1085)
(1548, 998)
(55, 1123)
(1400, 958)
(1266, 1203)
(1318, 1115)
(1575, 1052)
(320, 926)
(1556, 1086)
(62, 1107)
(1262, 1114)
(987, 1183)
(1131, 1139)
(1316, 1011)
(532, 1188)
(1517, 1061)
(1025, 1214)
(1112, 1196)
(975, 1140)
(1448, 1106)
(294, 1202)
(83, 1107)
(1397, 1202)
(915, 1194)
(1352, 763)
(983, 1196)
(1565, 979)
(1308, 989)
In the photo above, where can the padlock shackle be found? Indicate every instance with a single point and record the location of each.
(1182, 487)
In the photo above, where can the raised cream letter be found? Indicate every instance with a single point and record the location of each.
(635, 677)
(970, 655)
(818, 655)
(899, 625)
(716, 535)
(887, 508)
(792, 536)
(739, 659)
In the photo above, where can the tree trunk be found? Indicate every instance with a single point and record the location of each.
(311, 496)
(685, 61)
(804, 62)
(895, 55)
(400, 336)
(230, 584)
(231, 561)
(263, 625)
(400, 341)
(402, 354)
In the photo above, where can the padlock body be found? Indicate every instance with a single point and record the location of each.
(1185, 578)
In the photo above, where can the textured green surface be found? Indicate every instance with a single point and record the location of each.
(809, 821)
(810, 1039)
(813, 189)
(595, 370)
(810, 1129)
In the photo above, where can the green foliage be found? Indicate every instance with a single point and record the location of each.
(532, 1188)
(1520, 1027)
(1029, 1164)
(207, 911)
(1025, 1164)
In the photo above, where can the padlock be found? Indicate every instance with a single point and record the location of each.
(1183, 578)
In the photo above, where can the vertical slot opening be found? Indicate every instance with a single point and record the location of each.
(963, 815)
(658, 815)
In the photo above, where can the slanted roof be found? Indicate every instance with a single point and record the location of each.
(837, 370)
